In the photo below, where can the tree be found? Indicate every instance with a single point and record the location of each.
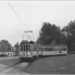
(5, 45)
(69, 35)
(17, 48)
(49, 33)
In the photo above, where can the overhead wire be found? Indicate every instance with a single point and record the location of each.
(16, 13)
(19, 19)
(17, 16)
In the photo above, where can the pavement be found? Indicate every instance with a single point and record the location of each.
(2, 67)
(48, 65)
(7, 66)
(17, 69)
(3, 58)
(7, 62)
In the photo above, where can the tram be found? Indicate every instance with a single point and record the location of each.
(32, 50)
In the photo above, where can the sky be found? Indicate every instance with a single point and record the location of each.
(32, 15)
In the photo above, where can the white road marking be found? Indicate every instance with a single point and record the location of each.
(1, 65)
(63, 68)
(72, 64)
(54, 69)
(23, 64)
(26, 74)
(23, 74)
(7, 70)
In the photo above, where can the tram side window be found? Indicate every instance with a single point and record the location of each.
(34, 48)
(57, 49)
(60, 50)
(54, 49)
(45, 49)
(50, 49)
(24, 47)
(64, 49)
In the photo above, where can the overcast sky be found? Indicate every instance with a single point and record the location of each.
(33, 14)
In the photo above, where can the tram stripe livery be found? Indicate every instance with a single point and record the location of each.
(30, 50)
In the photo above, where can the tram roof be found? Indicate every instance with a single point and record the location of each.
(54, 46)
(27, 42)
(24, 42)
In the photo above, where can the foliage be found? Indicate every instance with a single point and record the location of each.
(69, 34)
(16, 46)
(49, 33)
(5, 45)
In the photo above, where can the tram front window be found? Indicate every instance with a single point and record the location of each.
(27, 48)
(22, 47)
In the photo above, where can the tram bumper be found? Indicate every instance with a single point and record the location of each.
(25, 57)
(28, 59)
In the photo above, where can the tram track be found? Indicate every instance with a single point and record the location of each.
(18, 68)
(25, 68)
(9, 68)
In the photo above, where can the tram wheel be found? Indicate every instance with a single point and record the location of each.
(32, 59)
(20, 59)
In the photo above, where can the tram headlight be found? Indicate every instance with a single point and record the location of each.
(28, 54)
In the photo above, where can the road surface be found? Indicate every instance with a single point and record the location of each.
(12, 65)
(17, 69)
(7, 62)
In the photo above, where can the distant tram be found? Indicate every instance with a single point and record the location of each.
(32, 50)
(54, 50)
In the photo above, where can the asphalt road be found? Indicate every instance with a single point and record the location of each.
(7, 62)
(48, 65)
(17, 69)
(11, 65)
